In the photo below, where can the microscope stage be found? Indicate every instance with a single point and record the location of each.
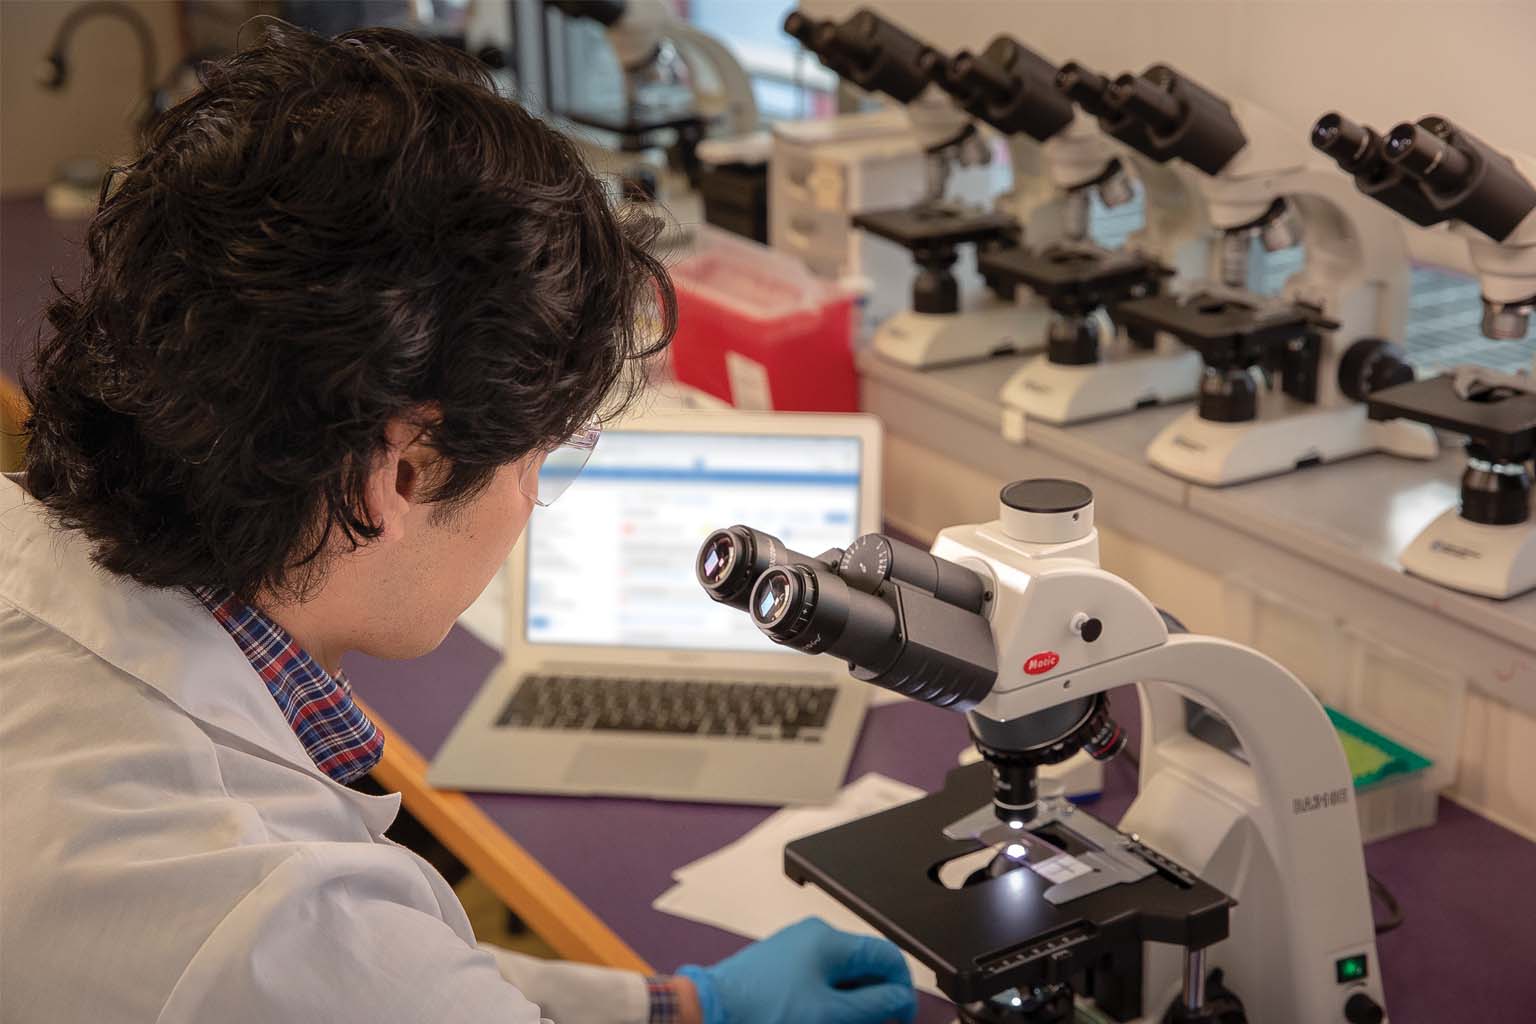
(1083, 277)
(1218, 326)
(636, 128)
(1002, 932)
(923, 227)
(1506, 426)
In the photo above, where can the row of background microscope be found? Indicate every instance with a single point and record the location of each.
(1312, 374)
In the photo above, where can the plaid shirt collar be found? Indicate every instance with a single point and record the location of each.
(319, 708)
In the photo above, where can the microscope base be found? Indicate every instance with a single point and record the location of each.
(1053, 393)
(1490, 561)
(1286, 436)
(991, 328)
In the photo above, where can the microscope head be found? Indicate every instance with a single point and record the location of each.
(867, 50)
(1090, 91)
(1433, 172)
(1473, 184)
(1178, 116)
(1008, 86)
(929, 627)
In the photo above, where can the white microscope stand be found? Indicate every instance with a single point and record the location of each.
(1279, 834)
(985, 326)
(1125, 378)
(1491, 561)
(1357, 273)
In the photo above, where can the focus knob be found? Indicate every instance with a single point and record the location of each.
(1370, 365)
(1362, 1009)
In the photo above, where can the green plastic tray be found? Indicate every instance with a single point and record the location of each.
(1374, 759)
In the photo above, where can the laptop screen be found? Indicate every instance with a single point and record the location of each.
(612, 562)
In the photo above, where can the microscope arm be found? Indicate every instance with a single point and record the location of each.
(735, 100)
(1303, 806)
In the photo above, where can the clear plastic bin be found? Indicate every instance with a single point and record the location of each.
(758, 330)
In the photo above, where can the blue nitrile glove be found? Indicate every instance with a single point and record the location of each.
(808, 973)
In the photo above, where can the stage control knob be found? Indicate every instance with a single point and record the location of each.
(1362, 1009)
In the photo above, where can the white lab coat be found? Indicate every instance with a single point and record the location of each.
(170, 854)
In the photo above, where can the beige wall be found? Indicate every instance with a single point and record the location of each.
(1381, 61)
(91, 115)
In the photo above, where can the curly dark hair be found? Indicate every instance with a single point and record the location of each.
(330, 234)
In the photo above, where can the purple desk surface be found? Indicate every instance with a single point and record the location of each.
(1467, 887)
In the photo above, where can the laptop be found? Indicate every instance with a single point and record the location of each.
(621, 676)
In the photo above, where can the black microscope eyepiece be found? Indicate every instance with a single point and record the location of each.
(1361, 152)
(1010, 87)
(1428, 157)
(1137, 96)
(1460, 176)
(1085, 87)
(901, 618)
(1354, 147)
(1181, 117)
(731, 560)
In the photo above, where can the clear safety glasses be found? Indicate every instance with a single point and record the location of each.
(545, 479)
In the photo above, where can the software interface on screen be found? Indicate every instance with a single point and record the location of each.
(612, 562)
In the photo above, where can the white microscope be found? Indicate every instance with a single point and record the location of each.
(1234, 888)
(1090, 368)
(945, 324)
(1435, 172)
(708, 103)
(1332, 318)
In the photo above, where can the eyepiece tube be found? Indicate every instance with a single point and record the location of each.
(810, 608)
(1426, 156)
(800, 27)
(1134, 95)
(731, 560)
(1354, 147)
(1086, 88)
(891, 633)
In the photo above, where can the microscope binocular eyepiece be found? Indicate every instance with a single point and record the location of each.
(1361, 152)
(1010, 87)
(899, 617)
(1181, 117)
(731, 561)
(868, 51)
(1428, 157)
(1459, 176)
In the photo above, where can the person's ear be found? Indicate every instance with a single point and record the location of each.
(398, 477)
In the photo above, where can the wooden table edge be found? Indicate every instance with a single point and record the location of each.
(511, 872)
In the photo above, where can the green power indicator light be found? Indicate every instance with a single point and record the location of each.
(1351, 968)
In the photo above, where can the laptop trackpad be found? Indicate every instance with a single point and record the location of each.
(598, 764)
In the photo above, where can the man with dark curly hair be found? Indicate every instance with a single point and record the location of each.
(334, 320)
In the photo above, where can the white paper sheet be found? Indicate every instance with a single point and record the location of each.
(741, 888)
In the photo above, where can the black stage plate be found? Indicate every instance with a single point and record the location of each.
(1002, 933)
(1506, 427)
(1217, 325)
(917, 227)
(1086, 275)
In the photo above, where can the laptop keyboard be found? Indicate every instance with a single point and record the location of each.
(763, 711)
